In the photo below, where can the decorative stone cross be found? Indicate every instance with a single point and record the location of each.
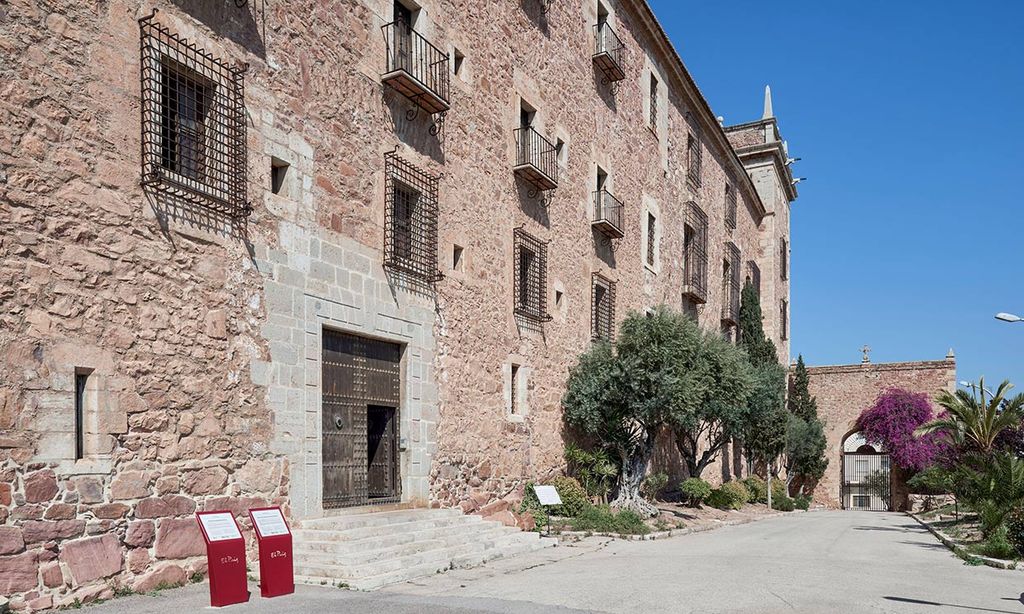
(866, 350)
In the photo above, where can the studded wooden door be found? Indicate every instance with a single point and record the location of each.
(357, 373)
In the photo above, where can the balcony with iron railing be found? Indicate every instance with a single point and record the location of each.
(608, 214)
(608, 52)
(416, 68)
(536, 159)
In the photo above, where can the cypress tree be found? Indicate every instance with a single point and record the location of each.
(801, 403)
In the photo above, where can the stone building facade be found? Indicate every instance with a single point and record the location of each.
(335, 197)
(843, 392)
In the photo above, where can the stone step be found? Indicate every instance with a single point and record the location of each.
(365, 532)
(367, 519)
(343, 554)
(381, 573)
(327, 542)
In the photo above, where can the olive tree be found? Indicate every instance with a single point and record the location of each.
(623, 394)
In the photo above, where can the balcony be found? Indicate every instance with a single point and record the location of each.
(415, 68)
(536, 159)
(608, 214)
(695, 252)
(608, 53)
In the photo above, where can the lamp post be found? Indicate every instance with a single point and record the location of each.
(1009, 317)
(975, 387)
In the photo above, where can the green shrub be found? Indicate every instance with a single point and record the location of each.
(779, 489)
(695, 491)
(998, 546)
(573, 495)
(1015, 529)
(653, 484)
(783, 504)
(729, 496)
(532, 504)
(758, 489)
(601, 519)
(803, 502)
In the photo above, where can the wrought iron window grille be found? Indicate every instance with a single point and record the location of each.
(695, 254)
(653, 119)
(730, 207)
(536, 160)
(652, 239)
(693, 160)
(783, 260)
(418, 70)
(609, 53)
(602, 307)
(410, 219)
(193, 122)
(731, 286)
(530, 284)
(608, 214)
(784, 320)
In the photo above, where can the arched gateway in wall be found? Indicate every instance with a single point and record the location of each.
(867, 479)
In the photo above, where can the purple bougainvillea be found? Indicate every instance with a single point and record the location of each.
(892, 420)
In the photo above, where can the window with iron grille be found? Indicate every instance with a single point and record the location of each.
(410, 219)
(730, 206)
(784, 259)
(602, 309)
(731, 284)
(754, 276)
(695, 254)
(652, 238)
(693, 155)
(531, 256)
(653, 119)
(193, 122)
(784, 319)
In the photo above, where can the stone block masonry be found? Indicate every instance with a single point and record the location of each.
(158, 358)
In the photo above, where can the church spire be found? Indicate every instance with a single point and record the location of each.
(767, 103)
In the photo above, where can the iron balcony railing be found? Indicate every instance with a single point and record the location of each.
(416, 68)
(536, 159)
(608, 214)
(695, 254)
(608, 52)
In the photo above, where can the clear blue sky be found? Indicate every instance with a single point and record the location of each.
(909, 117)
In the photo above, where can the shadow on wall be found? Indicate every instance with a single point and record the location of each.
(242, 21)
(413, 126)
(184, 215)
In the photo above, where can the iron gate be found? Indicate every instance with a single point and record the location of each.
(867, 483)
(360, 386)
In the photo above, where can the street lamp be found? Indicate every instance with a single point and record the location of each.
(1008, 317)
(974, 387)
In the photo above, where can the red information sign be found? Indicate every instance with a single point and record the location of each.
(277, 576)
(225, 556)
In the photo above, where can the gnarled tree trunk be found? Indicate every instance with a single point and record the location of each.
(631, 476)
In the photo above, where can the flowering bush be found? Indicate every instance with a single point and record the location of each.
(892, 420)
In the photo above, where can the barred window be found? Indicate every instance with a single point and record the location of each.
(652, 238)
(784, 259)
(602, 313)
(784, 320)
(695, 254)
(730, 206)
(693, 158)
(193, 123)
(531, 256)
(653, 119)
(410, 219)
(731, 276)
(754, 276)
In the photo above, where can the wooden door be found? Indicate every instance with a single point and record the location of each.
(357, 373)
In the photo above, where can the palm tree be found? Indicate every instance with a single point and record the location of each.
(974, 423)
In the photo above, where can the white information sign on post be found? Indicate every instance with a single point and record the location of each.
(219, 527)
(547, 495)
(269, 522)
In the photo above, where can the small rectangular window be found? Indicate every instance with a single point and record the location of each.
(513, 401)
(278, 174)
(651, 238)
(784, 259)
(730, 207)
(653, 119)
(457, 60)
(81, 385)
(456, 257)
(784, 319)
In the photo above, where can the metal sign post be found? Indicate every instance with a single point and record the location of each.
(548, 496)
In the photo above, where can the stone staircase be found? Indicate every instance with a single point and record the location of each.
(370, 549)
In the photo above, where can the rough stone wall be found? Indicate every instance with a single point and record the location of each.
(845, 391)
(201, 334)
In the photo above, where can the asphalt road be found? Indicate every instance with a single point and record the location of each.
(816, 562)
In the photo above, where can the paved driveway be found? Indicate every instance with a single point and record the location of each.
(818, 562)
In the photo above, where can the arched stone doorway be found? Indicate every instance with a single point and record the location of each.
(867, 478)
